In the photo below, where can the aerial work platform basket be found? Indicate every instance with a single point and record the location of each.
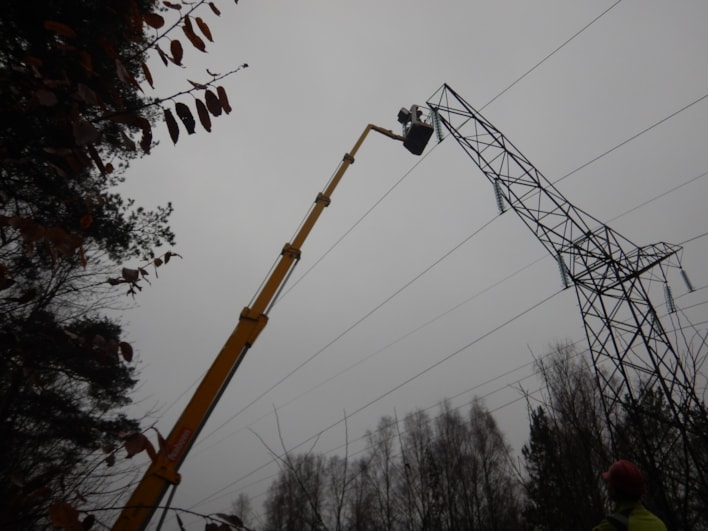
(416, 130)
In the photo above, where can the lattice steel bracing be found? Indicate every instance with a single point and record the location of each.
(631, 350)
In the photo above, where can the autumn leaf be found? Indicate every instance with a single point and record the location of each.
(195, 39)
(161, 441)
(186, 116)
(125, 76)
(146, 139)
(177, 51)
(162, 54)
(172, 126)
(96, 158)
(154, 20)
(84, 132)
(88, 522)
(203, 114)
(214, 9)
(130, 275)
(223, 99)
(188, 23)
(86, 221)
(173, 6)
(126, 350)
(204, 28)
(147, 74)
(197, 85)
(136, 443)
(59, 28)
(63, 515)
(46, 98)
(212, 103)
(170, 254)
(127, 141)
(87, 94)
(108, 48)
(86, 62)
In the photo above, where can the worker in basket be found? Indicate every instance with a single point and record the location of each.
(625, 486)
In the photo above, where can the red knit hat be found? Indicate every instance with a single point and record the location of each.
(624, 477)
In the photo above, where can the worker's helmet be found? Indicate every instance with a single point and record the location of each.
(625, 478)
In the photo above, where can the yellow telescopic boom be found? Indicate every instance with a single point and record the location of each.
(163, 471)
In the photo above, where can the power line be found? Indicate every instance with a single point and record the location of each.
(477, 386)
(534, 67)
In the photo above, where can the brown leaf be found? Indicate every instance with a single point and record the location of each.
(162, 54)
(86, 63)
(86, 221)
(99, 341)
(154, 20)
(136, 443)
(125, 76)
(212, 103)
(223, 99)
(130, 275)
(46, 98)
(96, 158)
(111, 460)
(147, 74)
(197, 85)
(108, 448)
(161, 442)
(84, 132)
(32, 60)
(173, 6)
(57, 151)
(59, 28)
(87, 94)
(88, 522)
(203, 114)
(146, 139)
(214, 9)
(177, 51)
(172, 126)
(108, 48)
(170, 254)
(157, 262)
(129, 144)
(188, 23)
(204, 28)
(63, 515)
(195, 39)
(126, 350)
(186, 116)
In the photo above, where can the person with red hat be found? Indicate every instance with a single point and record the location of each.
(625, 486)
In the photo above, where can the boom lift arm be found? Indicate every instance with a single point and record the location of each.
(163, 470)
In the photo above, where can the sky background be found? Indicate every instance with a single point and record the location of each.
(404, 295)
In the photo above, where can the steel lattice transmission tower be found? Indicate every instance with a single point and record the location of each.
(631, 350)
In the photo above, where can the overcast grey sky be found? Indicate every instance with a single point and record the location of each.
(319, 72)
